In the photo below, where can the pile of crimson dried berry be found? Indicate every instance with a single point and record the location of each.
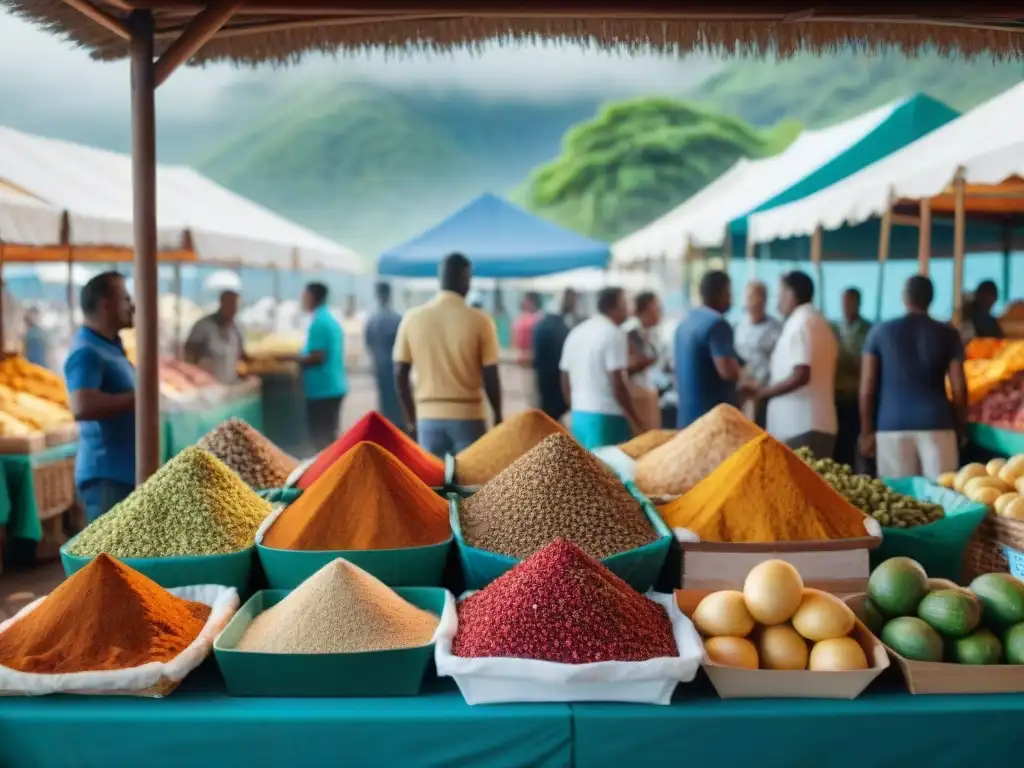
(564, 606)
(556, 490)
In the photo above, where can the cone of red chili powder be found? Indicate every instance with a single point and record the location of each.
(374, 428)
(562, 605)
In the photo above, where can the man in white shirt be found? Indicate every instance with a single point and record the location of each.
(595, 375)
(801, 392)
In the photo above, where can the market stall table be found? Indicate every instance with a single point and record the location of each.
(886, 726)
(186, 427)
(201, 725)
(23, 520)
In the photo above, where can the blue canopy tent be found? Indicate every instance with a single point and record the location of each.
(502, 240)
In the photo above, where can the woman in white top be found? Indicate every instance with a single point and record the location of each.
(801, 390)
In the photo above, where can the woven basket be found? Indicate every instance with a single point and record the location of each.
(984, 553)
(55, 487)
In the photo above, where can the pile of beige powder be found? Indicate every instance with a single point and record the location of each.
(340, 609)
(253, 457)
(557, 490)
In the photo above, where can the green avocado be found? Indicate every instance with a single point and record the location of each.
(913, 639)
(982, 647)
(953, 612)
(897, 586)
(1002, 599)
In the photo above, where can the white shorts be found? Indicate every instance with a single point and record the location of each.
(916, 453)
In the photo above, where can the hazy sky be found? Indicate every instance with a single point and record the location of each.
(59, 71)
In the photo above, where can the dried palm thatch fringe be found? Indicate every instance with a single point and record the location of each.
(426, 32)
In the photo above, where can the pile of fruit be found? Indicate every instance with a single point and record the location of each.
(775, 623)
(12, 427)
(19, 374)
(1002, 407)
(998, 485)
(263, 353)
(980, 624)
(34, 412)
(872, 496)
(984, 374)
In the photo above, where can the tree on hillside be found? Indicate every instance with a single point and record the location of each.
(637, 159)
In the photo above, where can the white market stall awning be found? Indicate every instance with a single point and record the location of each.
(985, 144)
(702, 220)
(26, 220)
(94, 187)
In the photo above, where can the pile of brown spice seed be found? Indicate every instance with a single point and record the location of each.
(557, 490)
(563, 606)
(253, 457)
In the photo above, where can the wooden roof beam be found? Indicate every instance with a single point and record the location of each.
(104, 19)
(199, 31)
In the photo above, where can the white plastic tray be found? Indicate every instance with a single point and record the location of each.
(502, 680)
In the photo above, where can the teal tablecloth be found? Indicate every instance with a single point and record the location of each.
(22, 516)
(878, 730)
(207, 728)
(184, 428)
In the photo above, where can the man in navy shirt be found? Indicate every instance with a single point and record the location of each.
(706, 364)
(907, 420)
(101, 381)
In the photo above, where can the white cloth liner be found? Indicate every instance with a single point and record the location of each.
(985, 142)
(612, 455)
(223, 601)
(871, 526)
(498, 680)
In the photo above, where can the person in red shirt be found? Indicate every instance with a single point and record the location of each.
(522, 338)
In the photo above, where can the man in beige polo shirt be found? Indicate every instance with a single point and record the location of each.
(453, 348)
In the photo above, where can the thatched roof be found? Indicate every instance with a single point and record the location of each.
(282, 30)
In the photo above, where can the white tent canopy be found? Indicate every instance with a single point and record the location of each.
(27, 221)
(985, 143)
(94, 187)
(701, 221)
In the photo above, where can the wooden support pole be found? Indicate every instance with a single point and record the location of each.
(817, 242)
(1007, 253)
(884, 239)
(198, 32)
(104, 19)
(959, 240)
(147, 392)
(924, 239)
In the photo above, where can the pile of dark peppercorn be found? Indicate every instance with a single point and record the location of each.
(561, 605)
(557, 490)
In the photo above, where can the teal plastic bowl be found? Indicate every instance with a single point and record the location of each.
(407, 567)
(374, 673)
(231, 570)
(465, 491)
(638, 567)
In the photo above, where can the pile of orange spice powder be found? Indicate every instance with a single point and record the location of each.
(103, 617)
(366, 500)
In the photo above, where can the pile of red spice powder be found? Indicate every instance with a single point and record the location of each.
(562, 605)
(374, 428)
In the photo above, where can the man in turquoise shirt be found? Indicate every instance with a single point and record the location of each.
(323, 368)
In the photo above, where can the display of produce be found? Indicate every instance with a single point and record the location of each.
(192, 505)
(365, 500)
(557, 490)
(695, 452)
(499, 447)
(374, 428)
(997, 485)
(263, 354)
(980, 624)
(764, 493)
(777, 623)
(872, 496)
(643, 444)
(339, 609)
(104, 617)
(565, 607)
(20, 375)
(253, 457)
(34, 412)
(1003, 406)
(12, 427)
(985, 374)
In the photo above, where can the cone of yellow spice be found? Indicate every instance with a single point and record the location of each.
(764, 493)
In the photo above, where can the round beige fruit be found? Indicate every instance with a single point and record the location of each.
(773, 591)
(967, 472)
(822, 616)
(731, 652)
(723, 614)
(782, 647)
(841, 654)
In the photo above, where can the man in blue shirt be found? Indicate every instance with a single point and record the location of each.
(323, 368)
(379, 336)
(907, 421)
(706, 363)
(101, 382)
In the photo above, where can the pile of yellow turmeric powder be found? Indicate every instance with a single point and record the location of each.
(764, 493)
